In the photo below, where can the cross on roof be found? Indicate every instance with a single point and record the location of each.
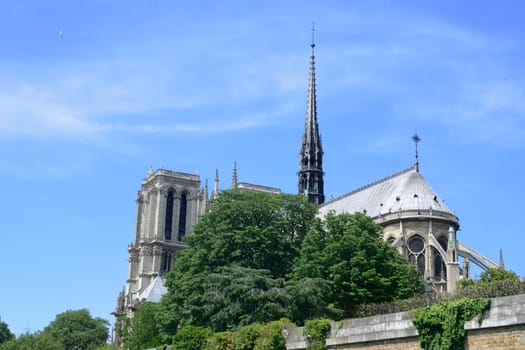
(416, 140)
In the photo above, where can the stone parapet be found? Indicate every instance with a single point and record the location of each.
(502, 327)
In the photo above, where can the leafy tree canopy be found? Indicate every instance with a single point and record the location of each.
(141, 332)
(498, 274)
(233, 296)
(76, 329)
(32, 341)
(5, 333)
(252, 230)
(240, 252)
(347, 251)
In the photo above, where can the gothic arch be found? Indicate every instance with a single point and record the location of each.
(439, 266)
(416, 252)
(184, 211)
(168, 220)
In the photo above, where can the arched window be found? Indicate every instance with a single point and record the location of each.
(169, 216)
(440, 270)
(182, 216)
(416, 253)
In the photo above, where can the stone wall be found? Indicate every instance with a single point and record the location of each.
(503, 327)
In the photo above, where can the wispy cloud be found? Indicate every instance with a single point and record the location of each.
(431, 72)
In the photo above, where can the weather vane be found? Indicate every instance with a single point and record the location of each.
(416, 140)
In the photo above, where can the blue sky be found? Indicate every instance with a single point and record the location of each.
(195, 86)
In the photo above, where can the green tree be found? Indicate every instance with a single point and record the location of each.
(347, 251)
(5, 333)
(497, 274)
(253, 230)
(191, 338)
(76, 329)
(32, 341)
(240, 252)
(494, 282)
(142, 331)
(231, 297)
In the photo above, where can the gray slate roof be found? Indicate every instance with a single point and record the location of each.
(406, 190)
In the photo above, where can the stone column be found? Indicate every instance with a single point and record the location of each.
(452, 265)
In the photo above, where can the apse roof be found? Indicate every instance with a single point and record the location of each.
(154, 291)
(405, 190)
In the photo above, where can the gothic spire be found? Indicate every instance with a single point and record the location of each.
(234, 176)
(215, 192)
(311, 155)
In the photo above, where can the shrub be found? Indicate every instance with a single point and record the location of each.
(316, 332)
(441, 326)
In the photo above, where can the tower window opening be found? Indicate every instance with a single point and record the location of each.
(182, 216)
(169, 216)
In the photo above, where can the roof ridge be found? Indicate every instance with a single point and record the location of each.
(359, 189)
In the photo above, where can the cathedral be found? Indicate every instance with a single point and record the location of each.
(413, 216)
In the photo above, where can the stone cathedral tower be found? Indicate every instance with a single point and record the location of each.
(168, 204)
(311, 155)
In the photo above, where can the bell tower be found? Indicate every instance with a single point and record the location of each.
(168, 205)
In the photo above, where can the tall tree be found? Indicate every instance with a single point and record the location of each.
(142, 331)
(347, 251)
(76, 329)
(240, 252)
(5, 333)
(253, 230)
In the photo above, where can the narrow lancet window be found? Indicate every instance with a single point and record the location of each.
(169, 216)
(182, 216)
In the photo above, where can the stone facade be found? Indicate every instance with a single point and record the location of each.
(168, 205)
(403, 230)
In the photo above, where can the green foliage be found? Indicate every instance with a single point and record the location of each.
(495, 282)
(106, 347)
(246, 337)
(347, 252)
(32, 341)
(234, 272)
(491, 289)
(5, 333)
(256, 257)
(253, 230)
(141, 332)
(388, 307)
(309, 296)
(77, 329)
(497, 274)
(271, 337)
(316, 332)
(221, 341)
(253, 337)
(191, 338)
(231, 297)
(441, 325)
